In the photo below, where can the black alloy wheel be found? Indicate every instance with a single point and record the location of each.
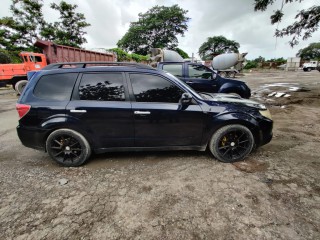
(68, 148)
(231, 143)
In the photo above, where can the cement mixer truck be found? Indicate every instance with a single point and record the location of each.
(200, 77)
(229, 64)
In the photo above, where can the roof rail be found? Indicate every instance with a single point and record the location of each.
(69, 65)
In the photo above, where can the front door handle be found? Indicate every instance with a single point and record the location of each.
(142, 112)
(189, 82)
(78, 111)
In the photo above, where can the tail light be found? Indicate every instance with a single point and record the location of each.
(22, 109)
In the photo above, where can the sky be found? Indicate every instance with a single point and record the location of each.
(234, 19)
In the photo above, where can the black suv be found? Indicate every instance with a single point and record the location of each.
(73, 109)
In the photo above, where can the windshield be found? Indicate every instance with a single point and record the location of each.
(185, 85)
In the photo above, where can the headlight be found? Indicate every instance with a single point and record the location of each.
(266, 113)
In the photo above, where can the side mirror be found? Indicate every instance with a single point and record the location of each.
(186, 98)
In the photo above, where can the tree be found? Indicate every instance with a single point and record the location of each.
(307, 20)
(157, 28)
(123, 56)
(312, 52)
(182, 53)
(70, 29)
(217, 45)
(19, 32)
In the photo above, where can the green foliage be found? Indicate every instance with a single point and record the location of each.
(157, 28)
(123, 56)
(69, 31)
(18, 33)
(9, 56)
(312, 52)
(278, 60)
(259, 59)
(4, 58)
(307, 20)
(182, 53)
(217, 45)
(251, 64)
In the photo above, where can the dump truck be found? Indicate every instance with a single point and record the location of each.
(16, 74)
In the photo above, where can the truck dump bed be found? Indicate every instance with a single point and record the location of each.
(59, 53)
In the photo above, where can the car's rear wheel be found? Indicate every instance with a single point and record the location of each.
(68, 147)
(231, 143)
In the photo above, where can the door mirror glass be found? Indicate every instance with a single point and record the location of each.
(186, 98)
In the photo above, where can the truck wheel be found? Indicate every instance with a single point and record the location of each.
(223, 74)
(309, 69)
(68, 147)
(19, 86)
(231, 143)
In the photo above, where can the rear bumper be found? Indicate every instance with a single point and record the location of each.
(32, 137)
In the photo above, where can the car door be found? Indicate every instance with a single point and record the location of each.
(201, 78)
(101, 104)
(159, 118)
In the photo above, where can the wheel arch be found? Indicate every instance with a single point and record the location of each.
(233, 118)
(231, 88)
(63, 122)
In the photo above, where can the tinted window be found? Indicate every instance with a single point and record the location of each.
(174, 69)
(102, 87)
(150, 88)
(199, 71)
(56, 86)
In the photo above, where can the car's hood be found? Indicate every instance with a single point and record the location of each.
(228, 98)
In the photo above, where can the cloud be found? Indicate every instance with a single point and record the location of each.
(233, 19)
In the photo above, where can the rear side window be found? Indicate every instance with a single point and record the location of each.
(102, 87)
(56, 86)
(174, 69)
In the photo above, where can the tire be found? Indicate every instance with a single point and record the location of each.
(223, 74)
(68, 147)
(19, 86)
(309, 69)
(231, 143)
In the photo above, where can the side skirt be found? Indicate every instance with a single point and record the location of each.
(140, 149)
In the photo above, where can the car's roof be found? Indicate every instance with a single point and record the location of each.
(84, 65)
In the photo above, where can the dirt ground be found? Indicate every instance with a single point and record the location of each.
(273, 194)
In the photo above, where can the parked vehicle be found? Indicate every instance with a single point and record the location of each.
(72, 112)
(312, 65)
(229, 65)
(16, 74)
(204, 79)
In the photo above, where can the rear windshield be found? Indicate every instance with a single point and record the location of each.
(56, 86)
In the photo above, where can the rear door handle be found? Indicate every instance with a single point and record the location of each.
(142, 112)
(189, 82)
(78, 111)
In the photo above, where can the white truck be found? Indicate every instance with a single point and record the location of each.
(312, 65)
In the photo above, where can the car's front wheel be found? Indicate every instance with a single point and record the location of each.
(231, 143)
(68, 147)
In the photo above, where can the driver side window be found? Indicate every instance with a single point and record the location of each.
(151, 88)
(199, 71)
